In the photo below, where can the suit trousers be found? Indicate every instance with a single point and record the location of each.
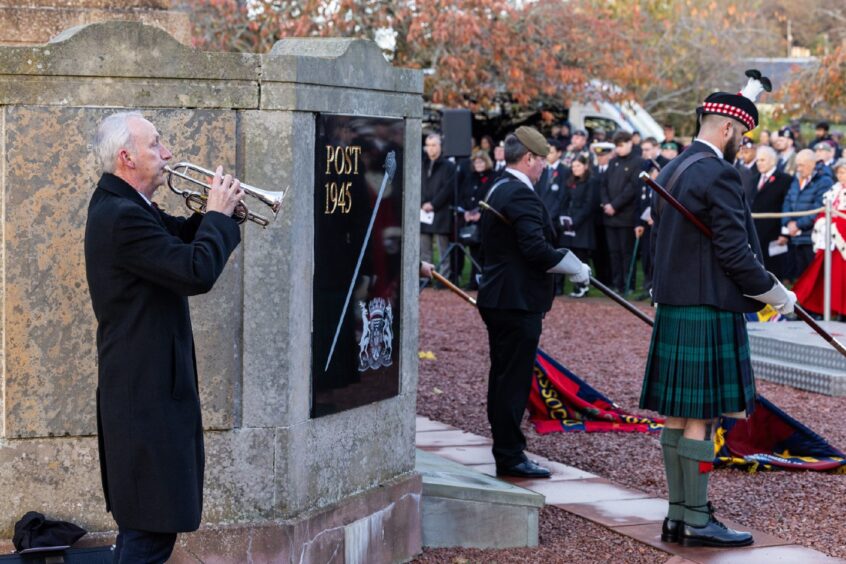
(142, 547)
(513, 337)
(442, 240)
(621, 242)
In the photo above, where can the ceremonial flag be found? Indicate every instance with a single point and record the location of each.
(766, 315)
(561, 401)
(772, 440)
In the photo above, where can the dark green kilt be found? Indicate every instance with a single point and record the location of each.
(698, 364)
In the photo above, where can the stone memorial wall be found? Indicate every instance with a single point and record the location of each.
(279, 482)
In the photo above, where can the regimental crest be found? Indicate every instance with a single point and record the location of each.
(376, 345)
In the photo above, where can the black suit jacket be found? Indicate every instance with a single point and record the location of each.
(749, 180)
(769, 199)
(689, 268)
(621, 188)
(439, 188)
(581, 203)
(516, 256)
(141, 266)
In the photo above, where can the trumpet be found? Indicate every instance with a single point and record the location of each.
(196, 200)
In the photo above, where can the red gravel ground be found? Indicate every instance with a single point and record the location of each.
(607, 346)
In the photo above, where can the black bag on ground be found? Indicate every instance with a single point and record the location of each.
(36, 531)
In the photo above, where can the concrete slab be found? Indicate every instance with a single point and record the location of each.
(581, 491)
(466, 454)
(444, 478)
(437, 439)
(616, 513)
(463, 507)
(790, 554)
(425, 424)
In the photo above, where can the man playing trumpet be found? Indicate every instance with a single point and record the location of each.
(142, 264)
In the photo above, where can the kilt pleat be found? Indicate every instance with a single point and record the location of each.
(699, 364)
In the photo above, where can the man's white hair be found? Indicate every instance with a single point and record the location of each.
(113, 134)
(769, 151)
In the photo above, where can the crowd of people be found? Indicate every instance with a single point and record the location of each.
(591, 189)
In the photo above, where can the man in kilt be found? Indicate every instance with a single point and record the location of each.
(699, 367)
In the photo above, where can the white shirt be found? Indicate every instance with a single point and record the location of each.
(520, 176)
(149, 203)
(713, 147)
(765, 177)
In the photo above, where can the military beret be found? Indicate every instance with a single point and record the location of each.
(730, 105)
(824, 146)
(746, 142)
(602, 148)
(532, 139)
(671, 145)
(787, 132)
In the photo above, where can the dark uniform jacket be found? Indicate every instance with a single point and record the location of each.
(516, 257)
(691, 269)
(581, 204)
(142, 265)
(749, 179)
(621, 189)
(438, 186)
(550, 189)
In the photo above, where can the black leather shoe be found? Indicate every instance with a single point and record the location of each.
(671, 530)
(713, 533)
(526, 469)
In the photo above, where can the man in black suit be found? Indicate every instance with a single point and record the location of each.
(745, 165)
(771, 187)
(516, 290)
(142, 264)
(620, 191)
(437, 195)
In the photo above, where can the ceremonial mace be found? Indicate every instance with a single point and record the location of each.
(599, 285)
(800, 311)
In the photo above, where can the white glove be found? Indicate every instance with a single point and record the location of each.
(581, 277)
(778, 296)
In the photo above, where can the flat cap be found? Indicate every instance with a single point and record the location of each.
(532, 139)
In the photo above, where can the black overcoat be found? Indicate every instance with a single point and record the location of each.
(438, 186)
(516, 256)
(769, 199)
(621, 189)
(142, 265)
(581, 204)
(689, 268)
(550, 189)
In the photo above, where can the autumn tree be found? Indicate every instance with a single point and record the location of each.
(476, 53)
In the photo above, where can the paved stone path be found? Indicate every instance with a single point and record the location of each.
(624, 510)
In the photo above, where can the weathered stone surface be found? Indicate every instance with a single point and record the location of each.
(57, 477)
(126, 50)
(456, 522)
(50, 328)
(324, 460)
(35, 25)
(308, 98)
(126, 92)
(117, 4)
(351, 63)
(279, 154)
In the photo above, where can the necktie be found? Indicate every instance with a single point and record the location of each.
(762, 182)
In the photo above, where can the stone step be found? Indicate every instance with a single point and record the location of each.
(792, 353)
(466, 508)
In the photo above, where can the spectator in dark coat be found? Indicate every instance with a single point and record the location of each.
(771, 187)
(643, 229)
(651, 151)
(475, 187)
(745, 165)
(806, 192)
(580, 208)
(603, 152)
(619, 200)
(551, 182)
(437, 190)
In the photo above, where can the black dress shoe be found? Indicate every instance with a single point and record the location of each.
(671, 529)
(526, 469)
(713, 533)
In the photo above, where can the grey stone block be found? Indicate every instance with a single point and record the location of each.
(352, 63)
(309, 98)
(451, 522)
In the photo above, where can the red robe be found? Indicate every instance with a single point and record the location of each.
(809, 286)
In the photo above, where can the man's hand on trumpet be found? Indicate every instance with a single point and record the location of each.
(225, 193)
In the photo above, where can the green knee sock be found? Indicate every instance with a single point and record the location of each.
(672, 466)
(697, 458)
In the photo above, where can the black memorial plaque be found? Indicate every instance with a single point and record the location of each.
(358, 189)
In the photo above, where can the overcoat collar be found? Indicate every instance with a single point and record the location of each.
(119, 187)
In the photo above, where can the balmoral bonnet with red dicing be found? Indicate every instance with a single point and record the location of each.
(740, 106)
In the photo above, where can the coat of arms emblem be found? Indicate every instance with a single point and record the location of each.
(377, 337)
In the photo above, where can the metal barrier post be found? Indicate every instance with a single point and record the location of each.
(827, 262)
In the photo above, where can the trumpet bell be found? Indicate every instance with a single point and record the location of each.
(186, 173)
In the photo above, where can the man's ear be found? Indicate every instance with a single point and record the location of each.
(126, 159)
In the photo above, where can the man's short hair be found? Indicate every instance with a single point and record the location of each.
(514, 149)
(650, 140)
(112, 136)
(838, 165)
(823, 125)
(436, 136)
(555, 144)
(806, 155)
(622, 137)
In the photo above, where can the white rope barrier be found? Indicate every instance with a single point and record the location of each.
(773, 215)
